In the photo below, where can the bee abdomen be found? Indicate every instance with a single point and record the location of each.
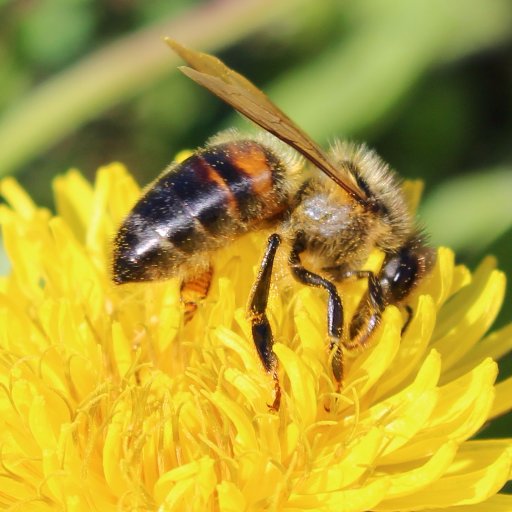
(210, 198)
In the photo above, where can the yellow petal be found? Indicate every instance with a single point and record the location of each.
(471, 312)
(404, 414)
(41, 425)
(122, 351)
(369, 367)
(109, 400)
(231, 498)
(342, 465)
(462, 408)
(477, 480)
(496, 503)
(358, 499)
(470, 395)
(440, 281)
(495, 345)
(112, 455)
(73, 198)
(302, 394)
(413, 346)
(413, 190)
(408, 480)
(245, 437)
(503, 400)
(188, 487)
(19, 200)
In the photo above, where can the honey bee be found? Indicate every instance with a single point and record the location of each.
(331, 210)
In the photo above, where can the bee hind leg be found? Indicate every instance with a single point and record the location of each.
(261, 330)
(334, 307)
(194, 289)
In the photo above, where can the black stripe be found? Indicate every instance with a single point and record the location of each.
(206, 200)
(166, 213)
(238, 182)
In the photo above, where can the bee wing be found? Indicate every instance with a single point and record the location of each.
(244, 96)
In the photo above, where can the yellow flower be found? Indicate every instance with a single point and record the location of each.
(110, 402)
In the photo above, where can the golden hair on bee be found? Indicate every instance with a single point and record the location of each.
(380, 182)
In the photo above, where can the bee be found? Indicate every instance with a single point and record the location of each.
(330, 210)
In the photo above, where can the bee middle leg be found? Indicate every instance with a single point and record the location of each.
(334, 307)
(261, 330)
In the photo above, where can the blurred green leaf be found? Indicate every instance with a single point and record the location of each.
(13, 79)
(350, 86)
(354, 82)
(470, 212)
(53, 32)
(119, 70)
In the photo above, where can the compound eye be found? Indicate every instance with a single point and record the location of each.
(405, 277)
(407, 270)
(399, 275)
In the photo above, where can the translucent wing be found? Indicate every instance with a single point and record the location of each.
(244, 96)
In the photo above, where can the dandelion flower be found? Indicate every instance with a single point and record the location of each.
(110, 401)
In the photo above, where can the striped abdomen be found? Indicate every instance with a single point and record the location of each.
(199, 205)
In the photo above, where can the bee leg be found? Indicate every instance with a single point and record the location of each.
(334, 307)
(261, 331)
(369, 312)
(409, 312)
(194, 289)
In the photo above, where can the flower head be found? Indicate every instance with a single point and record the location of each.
(110, 401)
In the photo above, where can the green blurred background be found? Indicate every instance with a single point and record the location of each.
(428, 83)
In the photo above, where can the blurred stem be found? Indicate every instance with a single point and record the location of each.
(121, 69)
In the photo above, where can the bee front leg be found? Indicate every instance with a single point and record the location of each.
(368, 314)
(334, 306)
(261, 331)
(409, 312)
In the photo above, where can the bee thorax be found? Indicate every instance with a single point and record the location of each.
(333, 231)
(325, 218)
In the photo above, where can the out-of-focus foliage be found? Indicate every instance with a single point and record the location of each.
(427, 83)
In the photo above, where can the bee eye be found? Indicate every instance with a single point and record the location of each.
(406, 272)
(400, 274)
